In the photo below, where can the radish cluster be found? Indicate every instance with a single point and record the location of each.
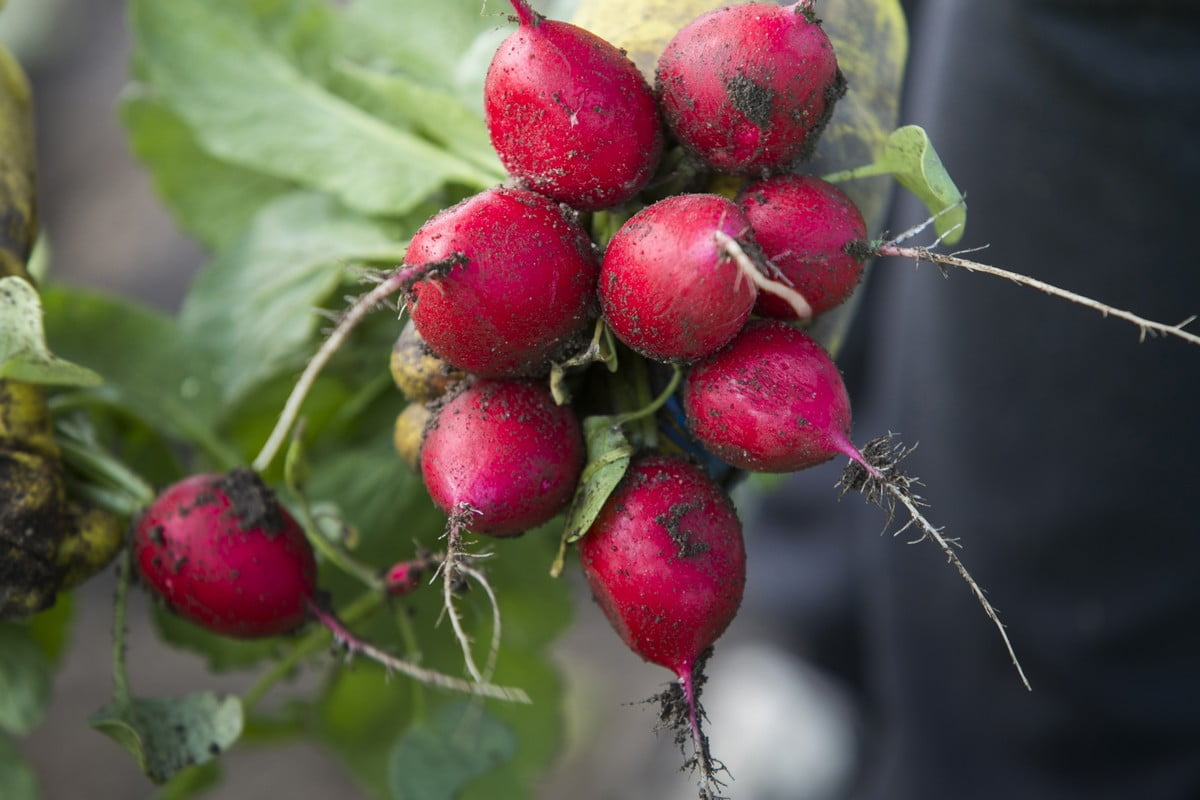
(609, 229)
(546, 314)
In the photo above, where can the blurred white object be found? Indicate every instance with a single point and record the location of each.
(783, 730)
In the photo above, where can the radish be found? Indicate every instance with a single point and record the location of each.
(517, 288)
(666, 563)
(772, 401)
(749, 88)
(804, 226)
(668, 289)
(570, 115)
(500, 457)
(409, 431)
(418, 373)
(222, 552)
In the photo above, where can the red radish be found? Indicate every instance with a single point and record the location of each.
(222, 552)
(570, 115)
(666, 563)
(502, 456)
(749, 88)
(404, 577)
(803, 225)
(523, 293)
(667, 287)
(772, 401)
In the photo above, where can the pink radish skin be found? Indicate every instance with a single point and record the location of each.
(506, 451)
(570, 115)
(666, 563)
(772, 401)
(222, 552)
(749, 88)
(803, 225)
(666, 288)
(524, 293)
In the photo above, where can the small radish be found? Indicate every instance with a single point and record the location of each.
(772, 401)
(519, 290)
(500, 457)
(666, 563)
(749, 88)
(570, 115)
(418, 373)
(409, 431)
(804, 226)
(222, 552)
(668, 288)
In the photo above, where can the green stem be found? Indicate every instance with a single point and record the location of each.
(335, 555)
(413, 650)
(121, 693)
(652, 407)
(312, 643)
(866, 171)
(93, 462)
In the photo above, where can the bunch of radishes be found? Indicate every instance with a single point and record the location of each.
(599, 235)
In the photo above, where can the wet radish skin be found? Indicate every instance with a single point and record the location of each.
(804, 225)
(505, 449)
(230, 560)
(570, 115)
(666, 562)
(524, 295)
(772, 401)
(748, 88)
(666, 290)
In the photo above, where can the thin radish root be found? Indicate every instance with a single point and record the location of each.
(399, 280)
(354, 645)
(929, 255)
(453, 571)
(879, 479)
(681, 713)
(731, 248)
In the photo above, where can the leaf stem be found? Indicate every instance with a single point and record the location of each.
(121, 693)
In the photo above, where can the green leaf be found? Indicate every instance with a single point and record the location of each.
(17, 781)
(254, 307)
(609, 452)
(438, 43)
(212, 199)
(911, 158)
(364, 711)
(24, 679)
(191, 781)
(51, 628)
(435, 761)
(220, 653)
(168, 734)
(151, 369)
(247, 104)
(24, 355)
(435, 114)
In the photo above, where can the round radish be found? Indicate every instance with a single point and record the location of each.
(772, 401)
(502, 456)
(803, 225)
(666, 562)
(223, 553)
(519, 290)
(667, 287)
(570, 115)
(418, 373)
(748, 88)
